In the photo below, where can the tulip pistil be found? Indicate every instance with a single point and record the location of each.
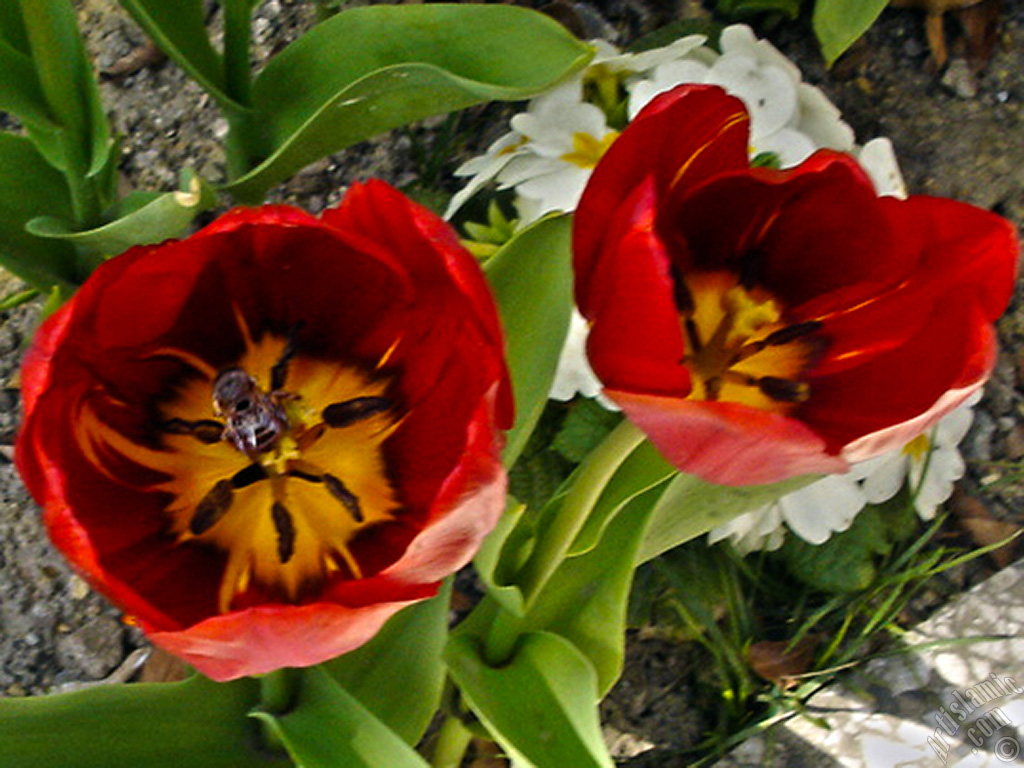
(739, 348)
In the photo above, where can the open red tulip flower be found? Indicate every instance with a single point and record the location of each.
(264, 440)
(760, 324)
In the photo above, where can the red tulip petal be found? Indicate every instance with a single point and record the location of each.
(891, 395)
(681, 138)
(633, 289)
(728, 443)
(259, 640)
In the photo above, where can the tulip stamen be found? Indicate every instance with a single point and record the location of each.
(738, 347)
(292, 471)
(284, 524)
(212, 508)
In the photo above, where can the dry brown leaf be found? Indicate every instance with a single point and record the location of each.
(140, 57)
(771, 660)
(162, 667)
(974, 517)
(979, 20)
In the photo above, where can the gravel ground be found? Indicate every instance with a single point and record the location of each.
(955, 137)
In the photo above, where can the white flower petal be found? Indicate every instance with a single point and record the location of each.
(559, 190)
(878, 159)
(759, 529)
(887, 478)
(767, 91)
(945, 467)
(953, 427)
(822, 508)
(821, 121)
(574, 374)
(645, 60)
(791, 146)
(740, 39)
(485, 171)
(664, 78)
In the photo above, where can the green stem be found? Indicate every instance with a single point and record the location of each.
(452, 742)
(278, 692)
(594, 474)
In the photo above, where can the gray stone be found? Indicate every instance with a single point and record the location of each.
(94, 649)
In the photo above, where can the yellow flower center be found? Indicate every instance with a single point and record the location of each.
(586, 150)
(739, 347)
(917, 449)
(281, 479)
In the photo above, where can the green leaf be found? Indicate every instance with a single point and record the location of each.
(196, 723)
(399, 675)
(65, 78)
(838, 23)
(644, 469)
(374, 68)
(159, 217)
(327, 727)
(541, 706)
(531, 278)
(30, 187)
(690, 507)
(179, 30)
(586, 599)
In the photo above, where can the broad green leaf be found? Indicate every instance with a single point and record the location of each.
(161, 217)
(65, 77)
(20, 92)
(196, 723)
(531, 277)
(399, 675)
(327, 727)
(690, 507)
(12, 28)
(501, 555)
(644, 469)
(586, 599)
(178, 28)
(370, 69)
(30, 187)
(838, 23)
(540, 706)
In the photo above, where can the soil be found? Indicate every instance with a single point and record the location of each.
(955, 136)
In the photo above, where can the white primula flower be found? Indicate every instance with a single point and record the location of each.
(787, 117)
(813, 513)
(931, 462)
(548, 156)
(878, 159)
(574, 374)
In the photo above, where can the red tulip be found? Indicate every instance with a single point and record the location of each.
(264, 440)
(761, 324)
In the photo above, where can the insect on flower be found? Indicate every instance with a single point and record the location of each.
(269, 494)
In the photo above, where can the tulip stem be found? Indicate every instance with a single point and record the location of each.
(278, 690)
(452, 742)
(594, 474)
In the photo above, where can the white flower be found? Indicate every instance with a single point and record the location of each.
(878, 158)
(787, 116)
(548, 156)
(553, 146)
(931, 462)
(574, 374)
(813, 513)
